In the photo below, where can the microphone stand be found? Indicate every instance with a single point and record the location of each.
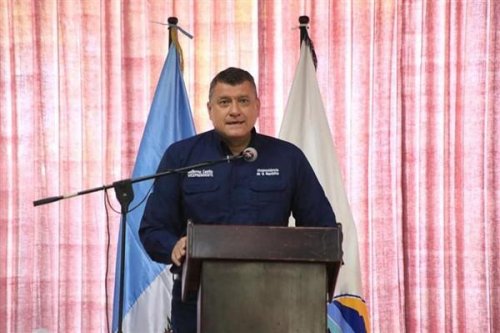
(125, 194)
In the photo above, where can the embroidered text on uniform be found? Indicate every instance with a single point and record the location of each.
(268, 172)
(200, 173)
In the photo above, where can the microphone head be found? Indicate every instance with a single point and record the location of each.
(249, 154)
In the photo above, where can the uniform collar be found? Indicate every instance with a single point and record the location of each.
(224, 149)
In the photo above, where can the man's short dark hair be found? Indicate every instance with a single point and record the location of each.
(232, 76)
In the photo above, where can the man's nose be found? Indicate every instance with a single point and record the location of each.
(234, 109)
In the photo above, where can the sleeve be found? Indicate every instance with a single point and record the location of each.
(310, 206)
(162, 223)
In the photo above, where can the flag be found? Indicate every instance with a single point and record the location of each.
(148, 285)
(305, 124)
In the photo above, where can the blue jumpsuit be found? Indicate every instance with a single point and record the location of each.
(278, 183)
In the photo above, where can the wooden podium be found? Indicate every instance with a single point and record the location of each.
(261, 279)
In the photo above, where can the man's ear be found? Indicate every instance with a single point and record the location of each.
(209, 109)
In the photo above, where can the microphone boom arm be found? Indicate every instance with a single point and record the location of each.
(135, 180)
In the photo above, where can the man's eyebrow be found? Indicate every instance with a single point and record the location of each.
(231, 97)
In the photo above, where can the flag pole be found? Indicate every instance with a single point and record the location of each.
(304, 37)
(125, 194)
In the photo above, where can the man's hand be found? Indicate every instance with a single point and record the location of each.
(179, 251)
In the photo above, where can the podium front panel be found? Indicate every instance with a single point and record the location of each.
(263, 297)
(257, 243)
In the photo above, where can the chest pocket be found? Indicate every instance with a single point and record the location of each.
(197, 186)
(201, 200)
(269, 190)
(200, 197)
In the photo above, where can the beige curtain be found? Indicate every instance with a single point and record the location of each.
(412, 90)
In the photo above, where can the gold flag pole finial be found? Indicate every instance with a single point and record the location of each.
(173, 38)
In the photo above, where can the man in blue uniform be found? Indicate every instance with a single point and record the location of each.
(264, 191)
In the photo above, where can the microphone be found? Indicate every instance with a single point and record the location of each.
(249, 154)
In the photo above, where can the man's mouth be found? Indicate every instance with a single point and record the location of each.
(235, 122)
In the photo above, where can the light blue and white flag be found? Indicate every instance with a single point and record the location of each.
(148, 285)
(305, 124)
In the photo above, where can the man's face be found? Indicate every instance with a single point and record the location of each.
(233, 110)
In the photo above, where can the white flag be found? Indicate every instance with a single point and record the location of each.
(305, 124)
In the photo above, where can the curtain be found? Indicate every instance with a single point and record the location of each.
(411, 88)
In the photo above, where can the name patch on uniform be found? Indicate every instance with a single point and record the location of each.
(200, 173)
(268, 172)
